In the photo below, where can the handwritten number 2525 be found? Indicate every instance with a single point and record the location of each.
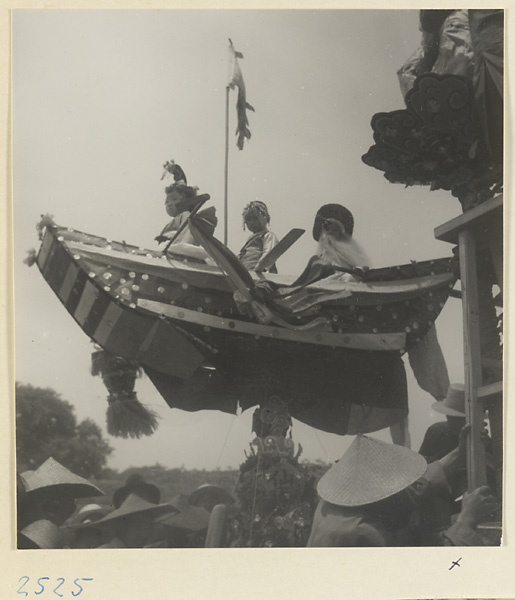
(61, 581)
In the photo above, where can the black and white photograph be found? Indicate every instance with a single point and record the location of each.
(258, 279)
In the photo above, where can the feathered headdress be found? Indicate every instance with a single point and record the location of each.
(171, 168)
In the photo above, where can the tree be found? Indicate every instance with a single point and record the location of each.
(46, 426)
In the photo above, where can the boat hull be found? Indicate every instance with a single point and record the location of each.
(336, 361)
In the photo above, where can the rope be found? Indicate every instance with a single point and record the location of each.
(322, 445)
(225, 442)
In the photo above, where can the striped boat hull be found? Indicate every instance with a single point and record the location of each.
(178, 319)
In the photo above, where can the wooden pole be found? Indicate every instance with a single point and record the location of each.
(476, 466)
(216, 528)
(226, 173)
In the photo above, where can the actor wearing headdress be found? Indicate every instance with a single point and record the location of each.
(333, 229)
(180, 200)
(256, 218)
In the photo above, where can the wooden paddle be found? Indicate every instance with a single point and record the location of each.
(277, 251)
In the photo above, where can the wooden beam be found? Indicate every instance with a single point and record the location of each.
(475, 217)
(476, 466)
(492, 391)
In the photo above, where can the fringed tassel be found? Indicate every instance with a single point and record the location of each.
(126, 416)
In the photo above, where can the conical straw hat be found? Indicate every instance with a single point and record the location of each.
(40, 534)
(51, 473)
(88, 514)
(454, 403)
(190, 518)
(369, 471)
(219, 492)
(134, 504)
(137, 485)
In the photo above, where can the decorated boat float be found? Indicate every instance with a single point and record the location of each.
(212, 335)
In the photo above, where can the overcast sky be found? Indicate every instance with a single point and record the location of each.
(101, 99)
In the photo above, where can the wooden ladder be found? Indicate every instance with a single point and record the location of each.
(476, 231)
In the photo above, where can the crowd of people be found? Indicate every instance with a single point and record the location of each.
(59, 509)
(377, 494)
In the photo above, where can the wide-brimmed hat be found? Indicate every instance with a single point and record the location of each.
(89, 514)
(219, 492)
(132, 505)
(52, 474)
(190, 518)
(454, 403)
(40, 534)
(369, 471)
(333, 211)
(135, 484)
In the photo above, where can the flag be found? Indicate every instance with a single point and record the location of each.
(242, 129)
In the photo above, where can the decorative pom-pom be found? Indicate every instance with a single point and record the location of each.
(46, 221)
(31, 257)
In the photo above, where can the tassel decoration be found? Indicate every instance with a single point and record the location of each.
(126, 416)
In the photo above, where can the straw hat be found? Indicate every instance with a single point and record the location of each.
(40, 534)
(369, 471)
(132, 505)
(90, 513)
(333, 211)
(221, 494)
(454, 403)
(135, 484)
(190, 518)
(52, 474)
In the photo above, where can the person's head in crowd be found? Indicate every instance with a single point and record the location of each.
(52, 504)
(51, 492)
(135, 484)
(40, 534)
(207, 496)
(256, 216)
(135, 521)
(453, 407)
(23, 509)
(186, 528)
(90, 536)
(89, 513)
(373, 474)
